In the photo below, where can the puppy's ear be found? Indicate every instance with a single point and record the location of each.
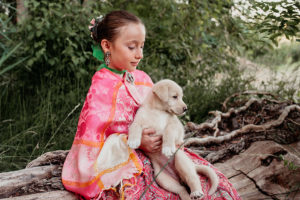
(161, 90)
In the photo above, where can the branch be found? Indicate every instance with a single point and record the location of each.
(224, 107)
(250, 127)
(218, 117)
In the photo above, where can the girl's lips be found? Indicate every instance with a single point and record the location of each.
(134, 63)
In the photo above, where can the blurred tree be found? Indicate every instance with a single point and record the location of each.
(273, 19)
(7, 51)
(21, 11)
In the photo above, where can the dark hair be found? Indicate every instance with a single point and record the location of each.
(109, 26)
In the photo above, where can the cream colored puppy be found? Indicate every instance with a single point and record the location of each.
(159, 111)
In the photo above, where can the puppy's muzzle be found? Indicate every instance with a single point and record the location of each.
(184, 109)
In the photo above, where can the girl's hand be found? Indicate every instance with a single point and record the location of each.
(149, 142)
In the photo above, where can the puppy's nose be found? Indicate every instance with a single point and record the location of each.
(184, 109)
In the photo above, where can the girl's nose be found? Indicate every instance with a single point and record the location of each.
(139, 54)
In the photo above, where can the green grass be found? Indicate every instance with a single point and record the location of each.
(283, 57)
(33, 125)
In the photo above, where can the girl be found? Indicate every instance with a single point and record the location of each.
(100, 165)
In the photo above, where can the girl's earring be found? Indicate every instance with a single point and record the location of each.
(107, 54)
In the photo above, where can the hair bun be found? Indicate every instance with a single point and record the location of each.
(108, 26)
(94, 23)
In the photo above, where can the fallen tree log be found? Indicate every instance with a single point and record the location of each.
(260, 172)
(41, 176)
(57, 195)
(31, 180)
(262, 161)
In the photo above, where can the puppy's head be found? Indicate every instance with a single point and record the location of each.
(170, 95)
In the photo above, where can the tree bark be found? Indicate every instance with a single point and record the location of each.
(41, 175)
(21, 11)
(260, 172)
(65, 195)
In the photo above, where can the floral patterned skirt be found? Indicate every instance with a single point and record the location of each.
(133, 189)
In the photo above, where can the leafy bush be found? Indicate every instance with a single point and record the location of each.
(39, 94)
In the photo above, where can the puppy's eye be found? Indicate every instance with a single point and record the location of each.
(175, 97)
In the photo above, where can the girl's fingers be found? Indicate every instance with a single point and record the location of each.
(156, 146)
(158, 143)
(151, 142)
(156, 149)
(156, 138)
(149, 131)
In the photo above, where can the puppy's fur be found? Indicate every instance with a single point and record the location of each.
(159, 111)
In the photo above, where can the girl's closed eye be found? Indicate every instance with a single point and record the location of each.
(131, 47)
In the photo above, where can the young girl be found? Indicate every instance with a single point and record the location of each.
(100, 165)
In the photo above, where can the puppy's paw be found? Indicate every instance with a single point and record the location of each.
(196, 195)
(134, 143)
(168, 151)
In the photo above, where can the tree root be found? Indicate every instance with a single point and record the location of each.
(226, 136)
(247, 93)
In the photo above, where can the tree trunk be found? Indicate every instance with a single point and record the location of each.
(21, 11)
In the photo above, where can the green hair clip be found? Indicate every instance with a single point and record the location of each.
(98, 53)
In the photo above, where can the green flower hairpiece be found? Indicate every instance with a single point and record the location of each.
(98, 54)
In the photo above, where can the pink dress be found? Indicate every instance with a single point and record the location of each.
(100, 165)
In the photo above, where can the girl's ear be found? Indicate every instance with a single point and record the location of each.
(106, 45)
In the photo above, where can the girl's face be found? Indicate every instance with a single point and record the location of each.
(127, 49)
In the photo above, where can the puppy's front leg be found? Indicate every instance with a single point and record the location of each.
(169, 137)
(134, 135)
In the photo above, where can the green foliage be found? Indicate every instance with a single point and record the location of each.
(279, 18)
(7, 52)
(286, 54)
(289, 164)
(56, 40)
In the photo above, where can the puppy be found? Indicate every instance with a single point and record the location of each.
(159, 111)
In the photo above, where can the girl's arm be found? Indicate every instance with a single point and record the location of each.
(149, 142)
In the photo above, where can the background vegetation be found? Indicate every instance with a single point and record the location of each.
(46, 63)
